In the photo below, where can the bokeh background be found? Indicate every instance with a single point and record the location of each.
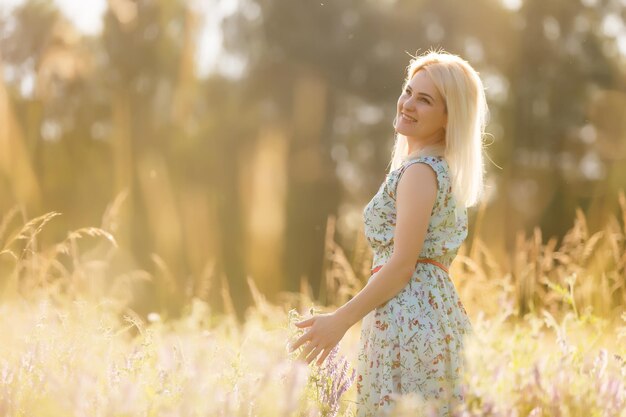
(222, 140)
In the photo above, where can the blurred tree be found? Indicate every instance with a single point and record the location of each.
(560, 64)
(148, 47)
(124, 111)
(22, 48)
(321, 63)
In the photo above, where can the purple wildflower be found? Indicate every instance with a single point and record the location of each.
(333, 382)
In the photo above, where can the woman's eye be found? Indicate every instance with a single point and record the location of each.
(425, 100)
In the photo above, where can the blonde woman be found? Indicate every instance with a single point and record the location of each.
(414, 324)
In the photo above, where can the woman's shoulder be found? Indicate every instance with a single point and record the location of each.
(437, 163)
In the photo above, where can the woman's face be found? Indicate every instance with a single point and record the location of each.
(421, 112)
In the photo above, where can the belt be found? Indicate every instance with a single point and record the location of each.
(422, 260)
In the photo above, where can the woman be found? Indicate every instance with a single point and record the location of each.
(414, 323)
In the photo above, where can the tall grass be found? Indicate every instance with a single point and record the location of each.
(549, 340)
(584, 272)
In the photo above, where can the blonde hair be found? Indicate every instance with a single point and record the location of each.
(464, 96)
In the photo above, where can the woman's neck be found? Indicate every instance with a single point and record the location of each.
(433, 149)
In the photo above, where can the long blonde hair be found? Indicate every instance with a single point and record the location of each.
(463, 92)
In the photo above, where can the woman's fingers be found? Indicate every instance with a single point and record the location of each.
(311, 357)
(306, 336)
(295, 345)
(306, 351)
(305, 323)
(311, 351)
(323, 357)
(321, 343)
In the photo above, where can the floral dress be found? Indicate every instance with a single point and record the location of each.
(414, 342)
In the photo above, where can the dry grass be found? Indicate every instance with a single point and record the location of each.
(584, 273)
(551, 345)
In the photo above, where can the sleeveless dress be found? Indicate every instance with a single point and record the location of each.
(414, 342)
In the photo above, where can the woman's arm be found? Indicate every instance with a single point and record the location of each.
(415, 197)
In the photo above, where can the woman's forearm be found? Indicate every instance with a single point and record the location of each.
(385, 285)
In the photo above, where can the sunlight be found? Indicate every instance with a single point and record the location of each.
(512, 4)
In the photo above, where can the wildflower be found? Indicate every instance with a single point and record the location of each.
(331, 380)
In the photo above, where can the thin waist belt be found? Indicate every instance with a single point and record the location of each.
(422, 260)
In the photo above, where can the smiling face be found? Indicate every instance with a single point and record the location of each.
(421, 111)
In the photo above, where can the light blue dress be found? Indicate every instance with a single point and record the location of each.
(414, 342)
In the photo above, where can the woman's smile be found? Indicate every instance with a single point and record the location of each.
(408, 119)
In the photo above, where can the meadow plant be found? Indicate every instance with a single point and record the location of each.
(531, 277)
(85, 359)
(542, 367)
(71, 344)
(327, 382)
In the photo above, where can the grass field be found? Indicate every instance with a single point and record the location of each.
(550, 326)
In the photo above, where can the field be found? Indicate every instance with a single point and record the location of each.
(550, 336)
(233, 145)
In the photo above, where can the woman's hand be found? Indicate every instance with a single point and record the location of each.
(326, 330)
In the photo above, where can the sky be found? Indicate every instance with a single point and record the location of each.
(86, 16)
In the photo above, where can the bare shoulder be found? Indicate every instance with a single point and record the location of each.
(418, 175)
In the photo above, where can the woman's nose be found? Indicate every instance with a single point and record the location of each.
(409, 105)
